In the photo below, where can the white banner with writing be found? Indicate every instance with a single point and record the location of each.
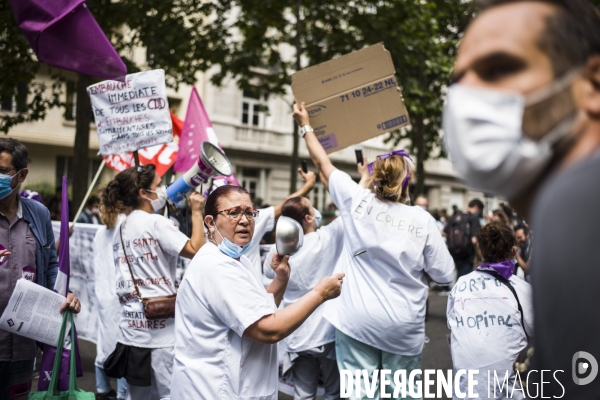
(81, 253)
(131, 115)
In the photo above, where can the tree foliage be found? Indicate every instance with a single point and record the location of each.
(251, 42)
(421, 36)
(19, 68)
(180, 36)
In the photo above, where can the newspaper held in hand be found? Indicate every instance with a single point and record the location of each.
(33, 312)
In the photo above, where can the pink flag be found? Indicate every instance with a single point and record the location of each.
(196, 129)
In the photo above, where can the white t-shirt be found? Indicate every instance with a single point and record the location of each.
(109, 309)
(316, 259)
(218, 300)
(487, 333)
(153, 245)
(263, 224)
(383, 298)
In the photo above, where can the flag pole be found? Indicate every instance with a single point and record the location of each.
(89, 191)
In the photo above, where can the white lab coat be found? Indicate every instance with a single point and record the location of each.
(217, 301)
(383, 299)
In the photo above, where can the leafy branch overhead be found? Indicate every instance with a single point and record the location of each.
(182, 37)
(421, 36)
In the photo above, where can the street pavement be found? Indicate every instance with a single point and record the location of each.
(436, 354)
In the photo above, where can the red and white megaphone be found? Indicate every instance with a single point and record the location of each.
(212, 162)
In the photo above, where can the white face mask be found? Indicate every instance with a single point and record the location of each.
(160, 201)
(483, 132)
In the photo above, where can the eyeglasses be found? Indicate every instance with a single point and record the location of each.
(235, 213)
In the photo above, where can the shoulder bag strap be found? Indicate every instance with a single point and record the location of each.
(129, 265)
(509, 285)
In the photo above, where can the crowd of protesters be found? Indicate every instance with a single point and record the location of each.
(356, 293)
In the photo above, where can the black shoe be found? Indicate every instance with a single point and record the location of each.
(112, 395)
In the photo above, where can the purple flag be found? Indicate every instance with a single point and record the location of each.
(61, 286)
(64, 34)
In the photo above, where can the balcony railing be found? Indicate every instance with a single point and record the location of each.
(259, 136)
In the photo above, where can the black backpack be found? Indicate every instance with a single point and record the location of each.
(459, 236)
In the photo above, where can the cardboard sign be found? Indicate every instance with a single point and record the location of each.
(351, 98)
(131, 115)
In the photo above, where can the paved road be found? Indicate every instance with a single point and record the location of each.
(436, 354)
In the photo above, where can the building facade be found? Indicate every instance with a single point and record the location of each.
(255, 132)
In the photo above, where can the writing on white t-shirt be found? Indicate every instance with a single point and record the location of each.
(390, 219)
(152, 246)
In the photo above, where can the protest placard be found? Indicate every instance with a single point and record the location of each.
(131, 115)
(352, 98)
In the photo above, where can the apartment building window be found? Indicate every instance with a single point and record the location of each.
(18, 102)
(318, 197)
(71, 101)
(457, 198)
(250, 179)
(64, 165)
(253, 109)
(174, 104)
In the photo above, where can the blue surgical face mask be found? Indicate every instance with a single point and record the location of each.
(318, 217)
(231, 249)
(5, 185)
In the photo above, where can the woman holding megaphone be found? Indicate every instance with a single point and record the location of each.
(146, 247)
(380, 316)
(227, 325)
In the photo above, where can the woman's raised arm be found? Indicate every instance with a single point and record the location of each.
(317, 153)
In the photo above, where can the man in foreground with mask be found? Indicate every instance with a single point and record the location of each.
(523, 120)
(27, 251)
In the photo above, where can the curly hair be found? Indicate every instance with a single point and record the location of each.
(496, 241)
(387, 178)
(123, 192)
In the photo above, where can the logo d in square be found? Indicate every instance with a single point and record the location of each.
(584, 363)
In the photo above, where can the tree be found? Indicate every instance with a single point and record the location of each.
(421, 36)
(180, 36)
(315, 30)
(33, 99)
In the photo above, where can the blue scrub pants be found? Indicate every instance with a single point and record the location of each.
(354, 355)
(103, 384)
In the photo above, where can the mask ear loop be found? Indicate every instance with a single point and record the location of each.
(212, 235)
(543, 93)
